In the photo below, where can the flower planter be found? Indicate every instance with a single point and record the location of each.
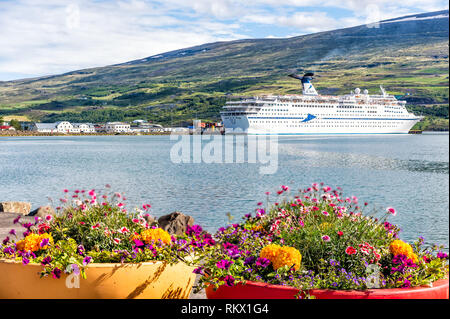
(148, 280)
(259, 290)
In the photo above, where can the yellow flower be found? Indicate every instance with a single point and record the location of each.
(155, 234)
(399, 247)
(33, 242)
(282, 256)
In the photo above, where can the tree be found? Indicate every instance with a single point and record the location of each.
(16, 124)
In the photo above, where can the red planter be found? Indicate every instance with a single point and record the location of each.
(259, 290)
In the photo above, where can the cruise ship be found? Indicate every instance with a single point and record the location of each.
(311, 113)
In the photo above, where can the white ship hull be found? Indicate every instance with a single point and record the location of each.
(284, 126)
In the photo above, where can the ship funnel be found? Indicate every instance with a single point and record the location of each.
(308, 88)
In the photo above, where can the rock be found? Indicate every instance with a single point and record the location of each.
(150, 219)
(15, 207)
(43, 211)
(175, 223)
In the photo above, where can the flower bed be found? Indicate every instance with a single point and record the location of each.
(318, 243)
(115, 253)
(259, 290)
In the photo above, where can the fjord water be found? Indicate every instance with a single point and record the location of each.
(407, 172)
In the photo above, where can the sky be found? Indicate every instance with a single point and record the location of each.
(45, 37)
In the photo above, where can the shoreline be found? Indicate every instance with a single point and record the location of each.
(31, 134)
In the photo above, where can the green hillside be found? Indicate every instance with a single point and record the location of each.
(409, 58)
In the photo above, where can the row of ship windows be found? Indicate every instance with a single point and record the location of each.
(328, 122)
(341, 125)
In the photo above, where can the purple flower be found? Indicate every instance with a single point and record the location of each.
(56, 273)
(262, 262)
(46, 261)
(44, 242)
(16, 220)
(8, 250)
(75, 269)
(234, 253)
(198, 271)
(249, 260)
(138, 243)
(87, 260)
(194, 230)
(229, 281)
(25, 261)
(224, 264)
(80, 250)
(27, 225)
(12, 232)
(6, 240)
(441, 255)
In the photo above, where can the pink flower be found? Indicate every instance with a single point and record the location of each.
(116, 240)
(63, 200)
(120, 205)
(259, 203)
(66, 191)
(325, 213)
(326, 238)
(124, 230)
(48, 218)
(95, 226)
(285, 188)
(391, 211)
(92, 192)
(350, 250)
(315, 208)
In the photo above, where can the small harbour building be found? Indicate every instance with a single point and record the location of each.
(84, 127)
(117, 127)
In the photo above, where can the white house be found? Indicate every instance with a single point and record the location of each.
(63, 127)
(84, 127)
(117, 127)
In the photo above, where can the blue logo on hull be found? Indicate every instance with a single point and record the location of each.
(309, 118)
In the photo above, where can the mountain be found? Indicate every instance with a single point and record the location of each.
(407, 55)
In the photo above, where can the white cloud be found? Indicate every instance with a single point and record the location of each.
(48, 37)
(41, 37)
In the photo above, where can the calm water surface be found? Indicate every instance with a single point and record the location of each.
(408, 172)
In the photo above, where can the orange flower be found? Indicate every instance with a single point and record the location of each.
(282, 256)
(269, 251)
(399, 247)
(33, 242)
(287, 256)
(154, 235)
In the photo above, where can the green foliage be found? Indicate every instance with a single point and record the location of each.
(15, 123)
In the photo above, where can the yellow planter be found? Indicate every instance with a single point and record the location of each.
(149, 280)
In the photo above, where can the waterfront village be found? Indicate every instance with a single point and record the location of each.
(135, 127)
